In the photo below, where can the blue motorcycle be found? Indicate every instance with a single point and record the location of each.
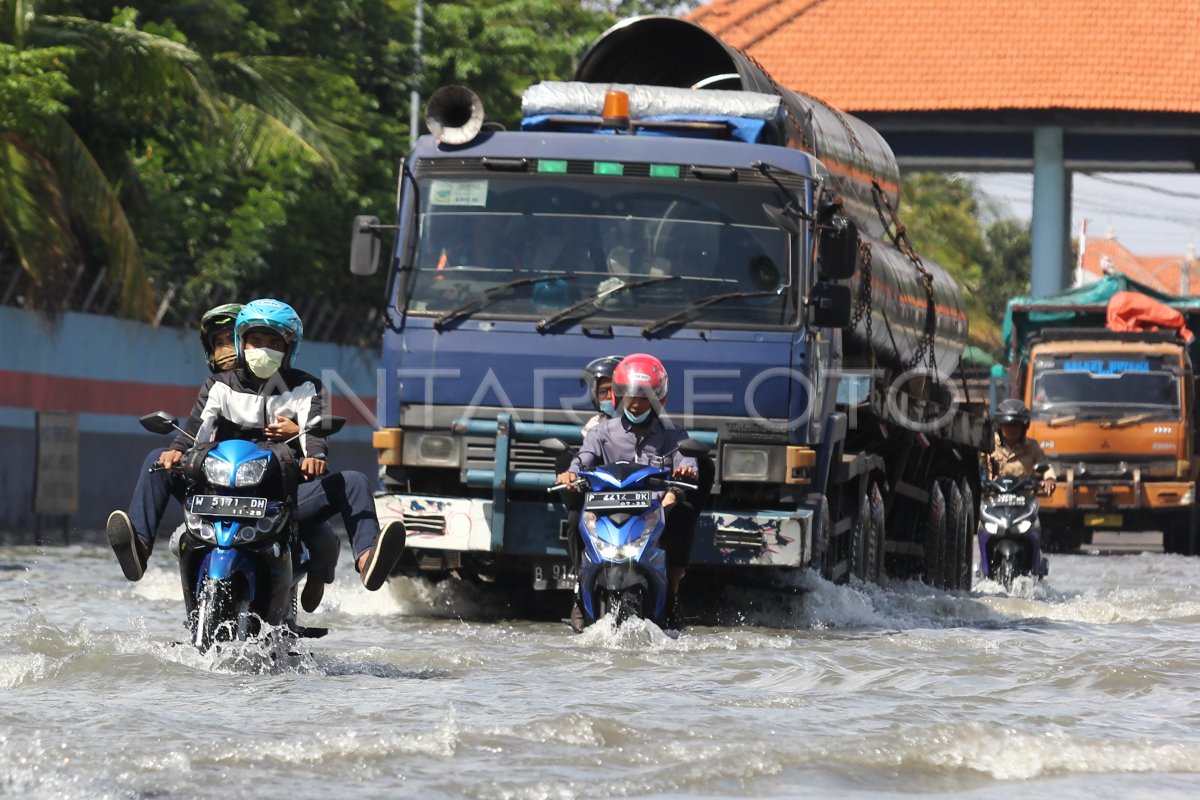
(240, 557)
(623, 571)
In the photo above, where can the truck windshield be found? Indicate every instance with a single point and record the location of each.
(1102, 385)
(629, 251)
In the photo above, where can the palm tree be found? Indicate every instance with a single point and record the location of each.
(57, 201)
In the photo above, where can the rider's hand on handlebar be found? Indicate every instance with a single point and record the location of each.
(312, 467)
(169, 458)
(567, 478)
(1048, 487)
(685, 473)
(282, 428)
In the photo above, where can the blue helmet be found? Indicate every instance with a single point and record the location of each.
(274, 316)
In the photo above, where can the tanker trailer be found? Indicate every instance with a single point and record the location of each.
(672, 200)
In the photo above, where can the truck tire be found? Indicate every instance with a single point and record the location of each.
(934, 537)
(954, 550)
(1177, 534)
(971, 519)
(860, 533)
(877, 535)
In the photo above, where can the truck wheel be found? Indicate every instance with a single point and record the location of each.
(970, 520)
(935, 535)
(1177, 534)
(876, 536)
(860, 533)
(954, 548)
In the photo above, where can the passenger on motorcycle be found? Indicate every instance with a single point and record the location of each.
(265, 397)
(642, 435)
(1015, 454)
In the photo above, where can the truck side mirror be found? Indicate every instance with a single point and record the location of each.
(830, 305)
(365, 245)
(837, 252)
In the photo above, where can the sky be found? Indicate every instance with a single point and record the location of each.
(1148, 213)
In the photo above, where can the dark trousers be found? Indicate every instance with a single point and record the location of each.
(154, 490)
(347, 493)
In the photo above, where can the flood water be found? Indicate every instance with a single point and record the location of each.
(1085, 686)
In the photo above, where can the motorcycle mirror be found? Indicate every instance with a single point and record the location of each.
(693, 449)
(159, 422)
(1041, 468)
(553, 446)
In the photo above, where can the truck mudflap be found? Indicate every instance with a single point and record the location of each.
(763, 539)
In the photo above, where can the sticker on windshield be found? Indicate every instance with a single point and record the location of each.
(458, 193)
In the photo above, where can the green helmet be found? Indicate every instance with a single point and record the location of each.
(216, 319)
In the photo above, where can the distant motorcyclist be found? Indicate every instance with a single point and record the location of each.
(1014, 454)
(264, 397)
(641, 435)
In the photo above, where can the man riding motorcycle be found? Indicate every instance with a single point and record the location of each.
(265, 397)
(641, 435)
(1015, 454)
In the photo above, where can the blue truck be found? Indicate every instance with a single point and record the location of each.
(675, 200)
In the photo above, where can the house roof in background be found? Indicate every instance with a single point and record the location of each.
(942, 55)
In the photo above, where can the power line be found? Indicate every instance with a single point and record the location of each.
(1138, 185)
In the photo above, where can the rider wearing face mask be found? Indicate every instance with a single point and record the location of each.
(640, 434)
(266, 397)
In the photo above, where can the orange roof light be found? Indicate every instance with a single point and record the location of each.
(616, 109)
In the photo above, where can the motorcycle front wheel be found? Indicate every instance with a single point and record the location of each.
(222, 614)
(1006, 573)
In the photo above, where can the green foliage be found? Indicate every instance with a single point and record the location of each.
(33, 87)
(990, 260)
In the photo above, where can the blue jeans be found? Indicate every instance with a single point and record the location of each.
(347, 493)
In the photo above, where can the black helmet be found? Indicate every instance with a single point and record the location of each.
(1012, 411)
(216, 319)
(596, 369)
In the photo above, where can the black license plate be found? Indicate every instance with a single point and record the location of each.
(616, 501)
(216, 505)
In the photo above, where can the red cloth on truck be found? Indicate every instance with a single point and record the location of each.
(1132, 311)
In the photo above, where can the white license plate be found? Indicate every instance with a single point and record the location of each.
(1008, 500)
(216, 505)
(617, 501)
(559, 575)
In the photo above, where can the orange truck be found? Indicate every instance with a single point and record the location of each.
(1113, 410)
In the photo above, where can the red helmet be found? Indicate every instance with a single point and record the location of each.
(641, 374)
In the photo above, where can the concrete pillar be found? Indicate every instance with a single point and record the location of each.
(1050, 220)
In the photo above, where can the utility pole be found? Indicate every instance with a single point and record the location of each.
(414, 96)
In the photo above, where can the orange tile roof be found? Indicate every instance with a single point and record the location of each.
(925, 55)
(1159, 272)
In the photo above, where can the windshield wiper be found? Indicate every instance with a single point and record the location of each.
(690, 311)
(1129, 420)
(471, 306)
(597, 297)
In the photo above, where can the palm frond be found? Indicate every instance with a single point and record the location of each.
(35, 220)
(98, 208)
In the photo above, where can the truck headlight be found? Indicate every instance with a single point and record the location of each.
(217, 471)
(250, 473)
(753, 462)
(430, 450)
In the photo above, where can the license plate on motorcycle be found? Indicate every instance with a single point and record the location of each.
(1008, 500)
(617, 501)
(1103, 520)
(216, 505)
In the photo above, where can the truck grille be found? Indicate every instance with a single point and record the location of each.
(432, 524)
(522, 456)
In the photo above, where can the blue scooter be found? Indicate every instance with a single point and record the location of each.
(623, 570)
(240, 558)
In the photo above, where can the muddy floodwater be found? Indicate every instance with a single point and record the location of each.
(1084, 686)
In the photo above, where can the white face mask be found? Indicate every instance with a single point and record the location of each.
(263, 361)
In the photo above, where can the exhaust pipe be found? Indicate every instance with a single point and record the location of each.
(454, 115)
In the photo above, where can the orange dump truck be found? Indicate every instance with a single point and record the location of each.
(1114, 410)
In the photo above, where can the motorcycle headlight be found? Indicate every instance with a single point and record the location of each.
(1024, 525)
(207, 532)
(192, 521)
(250, 473)
(991, 527)
(217, 472)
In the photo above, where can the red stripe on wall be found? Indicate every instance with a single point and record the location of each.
(90, 396)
